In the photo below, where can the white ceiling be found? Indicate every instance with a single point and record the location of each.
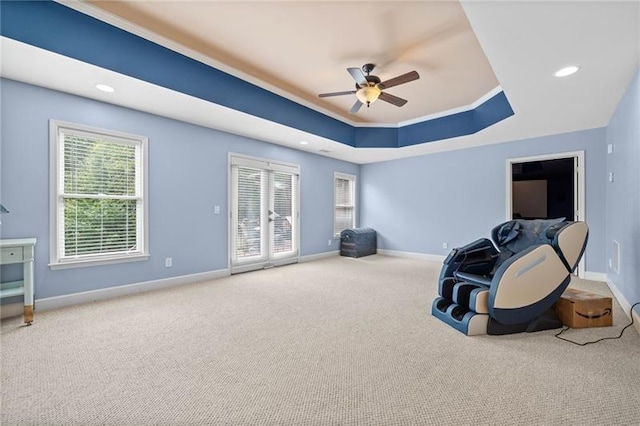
(524, 42)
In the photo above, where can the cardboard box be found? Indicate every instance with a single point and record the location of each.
(581, 309)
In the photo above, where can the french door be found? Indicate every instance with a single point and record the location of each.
(264, 214)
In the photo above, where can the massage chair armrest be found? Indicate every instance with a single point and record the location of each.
(477, 257)
(527, 284)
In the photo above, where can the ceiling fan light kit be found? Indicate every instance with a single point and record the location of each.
(369, 87)
(368, 95)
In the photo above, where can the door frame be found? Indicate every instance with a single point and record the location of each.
(579, 186)
(271, 165)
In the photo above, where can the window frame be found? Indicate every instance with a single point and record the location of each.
(353, 180)
(56, 213)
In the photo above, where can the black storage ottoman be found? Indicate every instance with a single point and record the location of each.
(358, 242)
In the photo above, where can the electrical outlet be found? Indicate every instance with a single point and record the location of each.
(329, 242)
(611, 177)
(610, 263)
(216, 209)
(610, 149)
(445, 245)
(168, 262)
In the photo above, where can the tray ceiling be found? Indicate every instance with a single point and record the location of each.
(304, 48)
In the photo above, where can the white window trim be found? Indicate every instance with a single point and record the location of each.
(353, 178)
(54, 161)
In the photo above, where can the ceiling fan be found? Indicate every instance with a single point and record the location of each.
(369, 87)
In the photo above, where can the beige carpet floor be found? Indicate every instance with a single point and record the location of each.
(333, 342)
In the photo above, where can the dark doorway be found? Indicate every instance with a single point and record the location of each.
(544, 189)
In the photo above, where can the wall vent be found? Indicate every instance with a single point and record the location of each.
(616, 256)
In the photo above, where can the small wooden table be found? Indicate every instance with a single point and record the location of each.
(19, 251)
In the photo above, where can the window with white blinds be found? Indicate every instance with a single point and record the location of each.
(345, 202)
(98, 200)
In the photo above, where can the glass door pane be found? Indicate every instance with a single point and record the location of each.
(282, 213)
(249, 213)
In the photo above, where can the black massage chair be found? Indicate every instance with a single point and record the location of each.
(510, 287)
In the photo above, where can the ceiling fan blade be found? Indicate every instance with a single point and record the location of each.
(358, 76)
(401, 79)
(326, 95)
(356, 107)
(392, 99)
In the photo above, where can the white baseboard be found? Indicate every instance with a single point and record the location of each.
(11, 310)
(595, 276)
(124, 290)
(318, 256)
(624, 304)
(410, 255)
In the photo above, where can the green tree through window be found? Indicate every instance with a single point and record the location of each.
(99, 183)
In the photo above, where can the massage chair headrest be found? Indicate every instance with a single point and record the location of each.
(518, 234)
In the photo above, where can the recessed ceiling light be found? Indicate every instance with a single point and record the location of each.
(304, 143)
(105, 88)
(567, 71)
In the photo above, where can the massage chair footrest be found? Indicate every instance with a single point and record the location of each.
(459, 317)
(469, 295)
(475, 297)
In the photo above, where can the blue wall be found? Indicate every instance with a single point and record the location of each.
(415, 204)
(187, 178)
(623, 195)
(418, 203)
